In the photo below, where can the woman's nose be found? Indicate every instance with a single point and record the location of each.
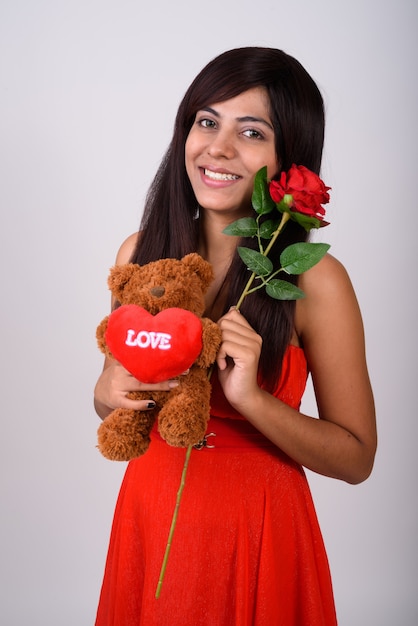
(222, 146)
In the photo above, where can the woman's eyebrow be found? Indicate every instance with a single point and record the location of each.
(212, 111)
(250, 118)
(246, 118)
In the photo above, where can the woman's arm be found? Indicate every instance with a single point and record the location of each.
(342, 443)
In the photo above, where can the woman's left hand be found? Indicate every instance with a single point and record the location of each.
(238, 359)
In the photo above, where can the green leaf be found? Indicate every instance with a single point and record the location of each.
(282, 290)
(255, 261)
(267, 228)
(244, 227)
(308, 222)
(300, 257)
(261, 199)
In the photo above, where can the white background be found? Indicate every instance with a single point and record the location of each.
(89, 90)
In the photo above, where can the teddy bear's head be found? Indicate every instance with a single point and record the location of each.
(163, 284)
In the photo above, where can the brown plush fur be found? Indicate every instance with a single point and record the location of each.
(183, 412)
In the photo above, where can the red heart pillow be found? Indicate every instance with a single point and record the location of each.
(154, 348)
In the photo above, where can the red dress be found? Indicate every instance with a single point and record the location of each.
(247, 549)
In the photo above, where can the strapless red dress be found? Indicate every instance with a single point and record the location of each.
(247, 549)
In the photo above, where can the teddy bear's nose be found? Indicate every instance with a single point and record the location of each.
(157, 291)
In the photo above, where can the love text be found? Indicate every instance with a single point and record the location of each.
(148, 339)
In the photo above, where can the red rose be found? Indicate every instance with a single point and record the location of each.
(306, 188)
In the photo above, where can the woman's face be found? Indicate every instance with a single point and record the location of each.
(227, 144)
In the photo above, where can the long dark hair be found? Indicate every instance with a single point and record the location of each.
(169, 225)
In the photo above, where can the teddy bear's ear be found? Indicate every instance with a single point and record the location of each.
(201, 267)
(119, 276)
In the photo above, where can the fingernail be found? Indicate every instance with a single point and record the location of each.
(151, 405)
(173, 383)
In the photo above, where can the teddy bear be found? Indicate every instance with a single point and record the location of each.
(157, 332)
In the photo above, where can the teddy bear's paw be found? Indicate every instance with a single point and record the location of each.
(124, 435)
(100, 336)
(182, 430)
(212, 337)
(180, 438)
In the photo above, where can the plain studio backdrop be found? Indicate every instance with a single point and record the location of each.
(89, 90)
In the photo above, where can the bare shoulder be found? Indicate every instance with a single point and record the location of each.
(330, 309)
(327, 275)
(126, 249)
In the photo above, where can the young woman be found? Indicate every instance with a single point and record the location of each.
(247, 549)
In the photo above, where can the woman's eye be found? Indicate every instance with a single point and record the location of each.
(253, 134)
(205, 123)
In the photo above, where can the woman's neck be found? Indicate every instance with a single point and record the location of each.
(218, 249)
(214, 245)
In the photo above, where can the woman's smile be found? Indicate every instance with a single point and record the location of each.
(219, 175)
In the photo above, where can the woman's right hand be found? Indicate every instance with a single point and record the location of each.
(114, 385)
